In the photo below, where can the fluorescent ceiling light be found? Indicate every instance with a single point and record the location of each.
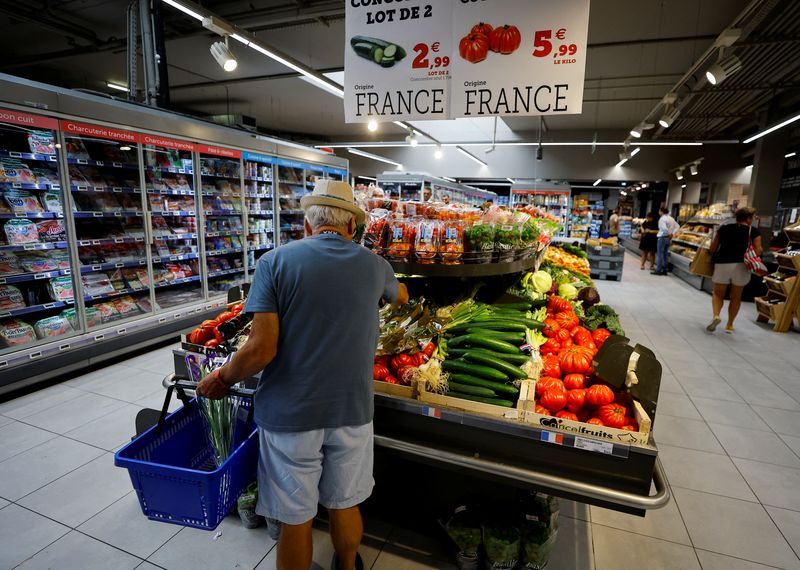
(790, 155)
(241, 39)
(184, 9)
(772, 129)
(124, 148)
(598, 181)
(116, 86)
(372, 126)
(511, 180)
(374, 157)
(448, 179)
(438, 154)
(224, 56)
(367, 178)
(621, 162)
(623, 192)
(723, 69)
(635, 151)
(473, 157)
(330, 87)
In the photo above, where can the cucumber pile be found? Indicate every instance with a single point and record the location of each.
(484, 358)
(378, 51)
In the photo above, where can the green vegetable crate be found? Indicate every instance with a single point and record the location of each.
(526, 395)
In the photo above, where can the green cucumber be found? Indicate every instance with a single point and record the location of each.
(479, 357)
(365, 50)
(475, 381)
(482, 399)
(377, 54)
(511, 320)
(516, 306)
(464, 367)
(495, 325)
(467, 389)
(485, 342)
(385, 62)
(390, 51)
(399, 52)
(517, 359)
(501, 335)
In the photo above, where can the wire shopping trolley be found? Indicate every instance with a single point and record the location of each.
(172, 467)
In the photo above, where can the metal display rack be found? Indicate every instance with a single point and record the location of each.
(420, 186)
(555, 202)
(151, 217)
(686, 243)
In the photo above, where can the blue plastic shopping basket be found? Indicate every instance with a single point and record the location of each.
(171, 465)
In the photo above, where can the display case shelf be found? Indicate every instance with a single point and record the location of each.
(35, 246)
(107, 189)
(464, 270)
(214, 252)
(174, 237)
(170, 192)
(102, 163)
(175, 213)
(267, 213)
(223, 212)
(181, 281)
(33, 309)
(226, 272)
(28, 156)
(258, 179)
(120, 214)
(168, 169)
(260, 247)
(177, 257)
(38, 276)
(113, 265)
(28, 186)
(109, 241)
(33, 215)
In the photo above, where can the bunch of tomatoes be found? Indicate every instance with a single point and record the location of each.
(208, 333)
(483, 38)
(398, 368)
(567, 388)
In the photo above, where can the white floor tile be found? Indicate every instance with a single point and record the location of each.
(670, 384)
(110, 431)
(765, 393)
(773, 485)
(123, 525)
(121, 382)
(193, 549)
(735, 528)
(17, 437)
(23, 534)
(323, 552)
(615, 549)
(789, 524)
(77, 551)
(573, 510)
(24, 406)
(4, 420)
(704, 471)
(74, 413)
(155, 400)
(573, 547)
(755, 444)
(782, 421)
(729, 413)
(714, 561)
(677, 405)
(682, 432)
(709, 388)
(35, 468)
(90, 488)
(3, 503)
(664, 523)
(160, 362)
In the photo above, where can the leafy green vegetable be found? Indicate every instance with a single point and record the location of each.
(480, 237)
(502, 545)
(601, 315)
(572, 249)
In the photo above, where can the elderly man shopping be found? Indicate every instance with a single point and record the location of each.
(314, 334)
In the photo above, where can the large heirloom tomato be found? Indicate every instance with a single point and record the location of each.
(505, 40)
(546, 383)
(600, 336)
(551, 366)
(575, 359)
(576, 399)
(550, 328)
(574, 381)
(558, 304)
(567, 320)
(482, 28)
(551, 346)
(567, 416)
(613, 415)
(474, 47)
(554, 400)
(599, 395)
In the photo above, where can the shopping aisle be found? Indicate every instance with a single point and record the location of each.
(728, 429)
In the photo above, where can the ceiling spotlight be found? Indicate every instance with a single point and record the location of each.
(438, 153)
(626, 156)
(372, 126)
(723, 69)
(224, 56)
(669, 117)
(124, 148)
(790, 155)
(411, 139)
(683, 185)
(679, 174)
(598, 181)
(623, 192)
(693, 169)
(539, 152)
(624, 184)
(636, 132)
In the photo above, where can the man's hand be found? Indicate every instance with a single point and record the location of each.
(402, 295)
(212, 387)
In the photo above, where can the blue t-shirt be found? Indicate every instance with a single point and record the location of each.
(325, 290)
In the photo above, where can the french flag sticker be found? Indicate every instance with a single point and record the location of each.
(432, 412)
(552, 437)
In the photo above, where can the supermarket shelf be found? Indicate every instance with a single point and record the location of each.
(105, 189)
(674, 240)
(32, 309)
(223, 251)
(28, 186)
(259, 247)
(33, 215)
(701, 234)
(24, 277)
(118, 293)
(267, 213)
(257, 195)
(174, 213)
(291, 212)
(112, 266)
(225, 272)
(223, 213)
(171, 192)
(224, 234)
(174, 237)
(35, 246)
(249, 232)
(174, 282)
(120, 214)
(168, 170)
(28, 156)
(109, 241)
(176, 257)
(258, 179)
(213, 175)
(464, 270)
(102, 163)
(290, 183)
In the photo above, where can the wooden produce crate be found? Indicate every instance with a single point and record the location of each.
(782, 287)
(604, 433)
(526, 391)
(771, 311)
(396, 389)
(788, 261)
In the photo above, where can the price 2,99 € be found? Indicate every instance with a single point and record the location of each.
(425, 60)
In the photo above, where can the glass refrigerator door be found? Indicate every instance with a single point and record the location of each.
(258, 198)
(291, 187)
(109, 226)
(36, 288)
(172, 206)
(220, 180)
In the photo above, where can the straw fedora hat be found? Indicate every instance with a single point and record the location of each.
(333, 193)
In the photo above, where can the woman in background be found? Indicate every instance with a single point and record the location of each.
(729, 246)
(648, 242)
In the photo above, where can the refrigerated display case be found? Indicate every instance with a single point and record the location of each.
(291, 188)
(424, 187)
(554, 202)
(259, 207)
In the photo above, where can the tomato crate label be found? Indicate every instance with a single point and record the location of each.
(593, 445)
(420, 59)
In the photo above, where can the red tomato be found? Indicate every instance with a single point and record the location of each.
(383, 359)
(485, 29)
(391, 380)
(558, 304)
(404, 374)
(505, 40)
(399, 360)
(551, 346)
(554, 399)
(567, 416)
(429, 348)
(420, 359)
(545, 383)
(595, 422)
(600, 336)
(551, 366)
(630, 427)
(599, 395)
(576, 399)
(568, 320)
(213, 343)
(550, 328)
(379, 371)
(541, 410)
(574, 381)
(631, 423)
(226, 316)
(575, 359)
(563, 336)
(579, 333)
(237, 308)
(567, 342)
(474, 47)
(613, 415)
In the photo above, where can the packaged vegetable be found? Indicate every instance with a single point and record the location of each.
(72, 316)
(539, 531)
(51, 230)
(11, 298)
(501, 542)
(9, 263)
(15, 332)
(479, 243)
(20, 232)
(427, 242)
(506, 241)
(52, 202)
(401, 239)
(61, 288)
(52, 326)
(375, 235)
(452, 246)
(464, 528)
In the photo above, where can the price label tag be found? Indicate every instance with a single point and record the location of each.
(171, 169)
(3, 281)
(52, 158)
(119, 240)
(49, 306)
(29, 246)
(118, 214)
(116, 189)
(83, 161)
(20, 215)
(15, 154)
(5, 314)
(118, 265)
(99, 163)
(67, 272)
(97, 214)
(97, 241)
(594, 446)
(16, 185)
(181, 171)
(173, 258)
(38, 276)
(116, 164)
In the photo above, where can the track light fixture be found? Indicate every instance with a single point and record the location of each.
(724, 68)
(224, 56)
(411, 139)
(669, 117)
(438, 153)
(679, 174)
(638, 130)
(693, 169)
(539, 152)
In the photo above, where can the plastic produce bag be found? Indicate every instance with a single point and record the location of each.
(219, 416)
(464, 528)
(501, 541)
(479, 243)
(539, 530)
(427, 240)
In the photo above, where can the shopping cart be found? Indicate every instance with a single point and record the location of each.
(172, 466)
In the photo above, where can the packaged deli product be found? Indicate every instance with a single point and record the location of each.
(93, 317)
(46, 176)
(108, 312)
(9, 264)
(37, 261)
(96, 284)
(144, 305)
(52, 326)
(126, 306)
(51, 230)
(42, 142)
(72, 316)
(61, 288)
(20, 232)
(22, 202)
(15, 332)
(11, 298)
(13, 170)
(52, 202)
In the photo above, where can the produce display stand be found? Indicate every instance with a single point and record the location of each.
(782, 302)
(466, 269)
(695, 233)
(606, 262)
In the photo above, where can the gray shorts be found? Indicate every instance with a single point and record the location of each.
(298, 470)
(734, 273)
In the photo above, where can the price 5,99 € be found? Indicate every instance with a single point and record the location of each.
(543, 44)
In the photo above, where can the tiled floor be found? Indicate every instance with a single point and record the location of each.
(728, 429)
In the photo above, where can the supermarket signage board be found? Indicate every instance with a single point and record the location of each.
(219, 151)
(87, 130)
(168, 143)
(27, 120)
(441, 67)
(253, 157)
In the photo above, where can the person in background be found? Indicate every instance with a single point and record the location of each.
(667, 226)
(315, 330)
(613, 223)
(648, 243)
(728, 247)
